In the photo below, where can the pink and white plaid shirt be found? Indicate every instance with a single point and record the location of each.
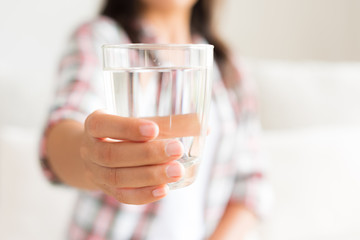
(236, 174)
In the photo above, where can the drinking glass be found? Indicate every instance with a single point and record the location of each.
(169, 84)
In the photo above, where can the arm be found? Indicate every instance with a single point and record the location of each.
(63, 144)
(236, 222)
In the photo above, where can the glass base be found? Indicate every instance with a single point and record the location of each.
(191, 166)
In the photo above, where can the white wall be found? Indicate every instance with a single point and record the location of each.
(294, 29)
(32, 37)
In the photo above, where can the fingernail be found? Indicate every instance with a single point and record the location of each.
(174, 170)
(174, 148)
(148, 130)
(160, 192)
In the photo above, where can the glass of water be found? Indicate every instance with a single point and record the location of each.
(169, 84)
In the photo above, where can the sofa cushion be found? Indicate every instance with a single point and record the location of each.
(30, 207)
(301, 94)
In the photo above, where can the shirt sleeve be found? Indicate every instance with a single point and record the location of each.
(251, 185)
(79, 89)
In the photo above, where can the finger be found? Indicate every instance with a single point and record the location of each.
(175, 126)
(102, 125)
(136, 196)
(137, 176)
(130, 154)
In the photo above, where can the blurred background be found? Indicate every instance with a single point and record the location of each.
(304, 56)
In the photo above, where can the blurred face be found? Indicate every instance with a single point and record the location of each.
(169, 4)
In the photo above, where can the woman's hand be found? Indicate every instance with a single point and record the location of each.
(122, 158)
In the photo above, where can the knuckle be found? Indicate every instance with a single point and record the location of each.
(111, 176)
(153, 175)
(83, 152)
(92, 123)
(154, 152)
(88, 168)
(103, 153)
(88, 148)
(126, 129)
(148, 149)
(120, 196)
(106, 153)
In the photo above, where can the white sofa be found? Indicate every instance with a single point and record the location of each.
(311, 117)
(30, 208)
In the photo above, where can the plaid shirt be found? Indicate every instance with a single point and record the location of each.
(236, 171)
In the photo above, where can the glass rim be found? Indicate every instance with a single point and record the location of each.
(158, 46)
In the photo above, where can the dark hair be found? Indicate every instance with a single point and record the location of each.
(126, 13)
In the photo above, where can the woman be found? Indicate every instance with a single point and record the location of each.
(226, 198)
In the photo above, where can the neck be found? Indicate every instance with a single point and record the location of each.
(169, 26)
